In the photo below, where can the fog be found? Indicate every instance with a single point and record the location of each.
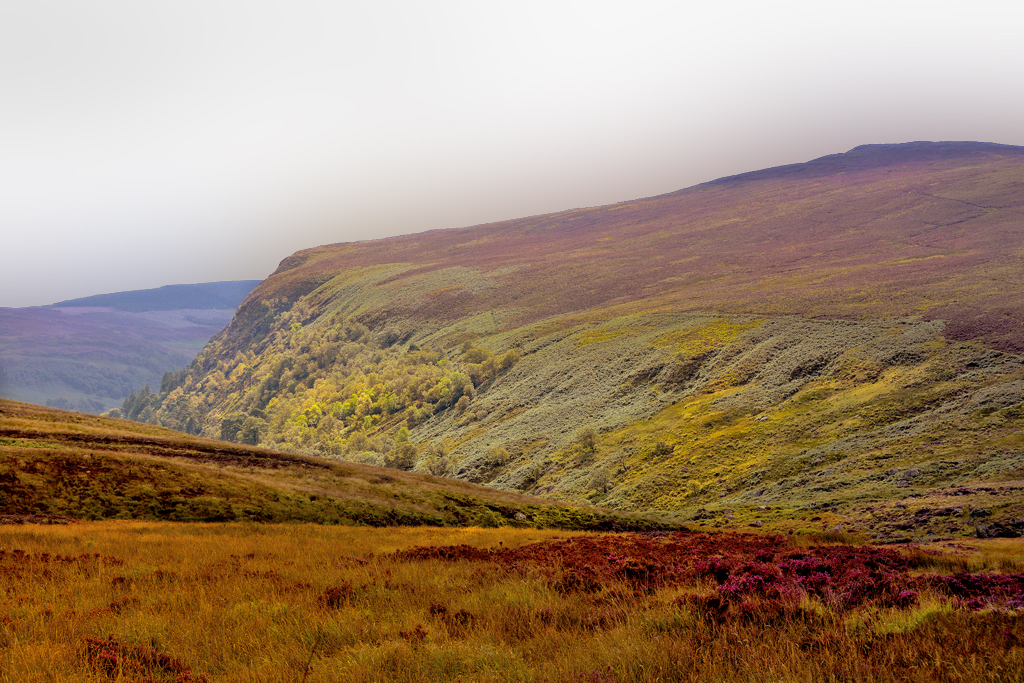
(148, 143)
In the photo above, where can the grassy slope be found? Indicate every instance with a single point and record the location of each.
(832, 342)
(60, 464)
(877, 242)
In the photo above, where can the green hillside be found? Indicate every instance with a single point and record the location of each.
(835, 343)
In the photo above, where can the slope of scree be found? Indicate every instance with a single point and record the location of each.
(827, 344)
(56, 466)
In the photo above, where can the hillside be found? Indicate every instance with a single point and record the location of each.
(827, 343)
(88, 354)
(58, 465)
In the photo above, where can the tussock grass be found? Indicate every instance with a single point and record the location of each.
(252, 602)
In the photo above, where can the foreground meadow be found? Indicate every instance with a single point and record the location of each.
(166, 602)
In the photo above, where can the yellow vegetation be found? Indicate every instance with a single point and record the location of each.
(247, 602)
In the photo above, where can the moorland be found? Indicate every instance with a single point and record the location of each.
(57, 466)
(160, 602)
(765, 428)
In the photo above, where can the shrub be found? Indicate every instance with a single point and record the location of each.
(402, 457)
(587, 439)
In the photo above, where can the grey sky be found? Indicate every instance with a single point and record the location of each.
(145, 143)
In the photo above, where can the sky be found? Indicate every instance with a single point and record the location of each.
(145, 143)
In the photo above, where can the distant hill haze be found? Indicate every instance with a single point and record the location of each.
(88, 354)
(809, 337)
(204, 296)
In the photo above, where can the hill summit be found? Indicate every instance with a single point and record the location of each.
(835, 343)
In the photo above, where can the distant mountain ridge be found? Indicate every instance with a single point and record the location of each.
(206, 295)
(868, 157)
(88, 354)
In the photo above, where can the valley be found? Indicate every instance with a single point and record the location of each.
(765, 428)
(89, 354)
(831, 344)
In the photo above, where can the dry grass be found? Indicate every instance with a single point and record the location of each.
(245, 602)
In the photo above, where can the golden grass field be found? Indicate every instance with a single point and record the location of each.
(157, 601)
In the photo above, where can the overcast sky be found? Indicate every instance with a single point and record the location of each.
(145, 143)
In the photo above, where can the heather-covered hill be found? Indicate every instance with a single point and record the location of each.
(57, 465)
(920, 230)
(88, 354)
(829, 343)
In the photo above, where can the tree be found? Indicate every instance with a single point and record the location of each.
(587, 439)
(253, 431)
(441, 467)
(508, 360)
(600, 480)
(497, 457)
(402, 457)
(231, 425)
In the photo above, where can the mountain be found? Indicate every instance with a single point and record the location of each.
(88, 354)
(204, 296)
(829, 343)
(57, 465)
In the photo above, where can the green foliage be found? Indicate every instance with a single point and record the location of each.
(497, 457)
(253, 431)
(230, 426)
(587, 439)
(601, 480)
(402, 457)
(136, 405)
(440, 467)
(172, 380)
(315, 393)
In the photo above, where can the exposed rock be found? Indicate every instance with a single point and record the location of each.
(1004, 528)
